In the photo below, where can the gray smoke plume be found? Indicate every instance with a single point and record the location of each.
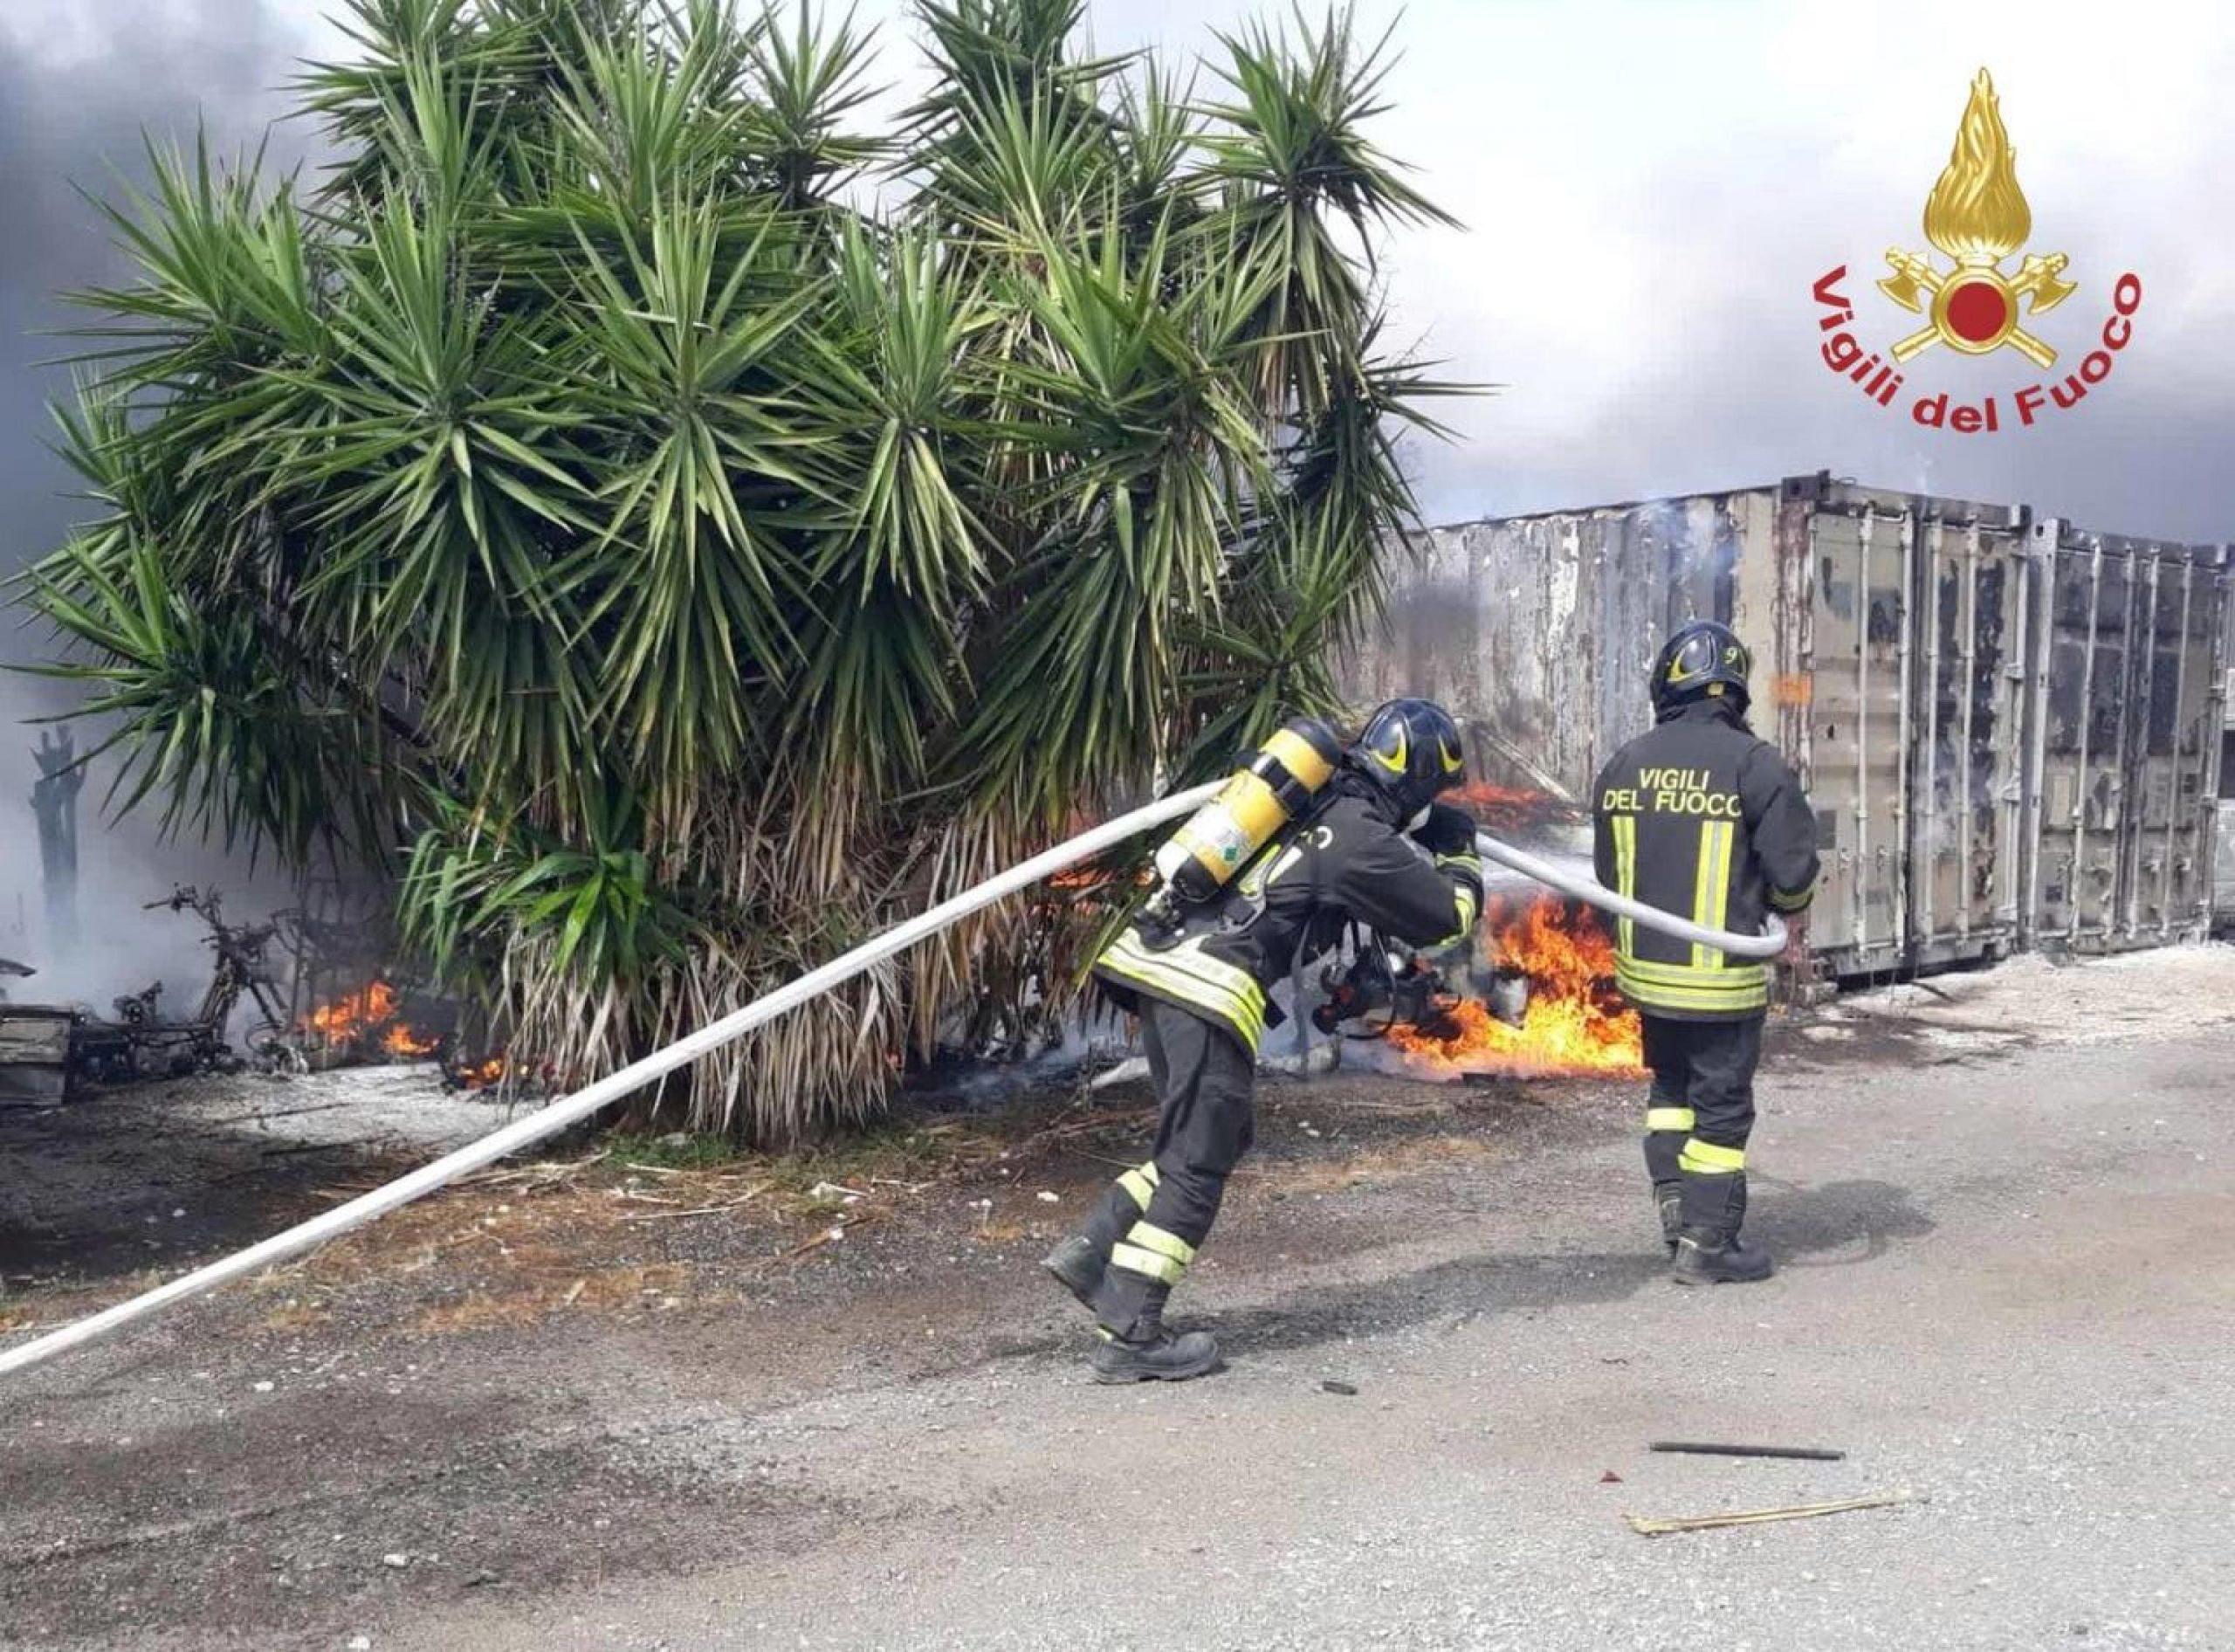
(78, 101)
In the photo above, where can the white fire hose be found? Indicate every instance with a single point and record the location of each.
(1771, 942)
(549, 1121)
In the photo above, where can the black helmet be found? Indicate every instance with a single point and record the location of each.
(1411, 750)
(1701, 660)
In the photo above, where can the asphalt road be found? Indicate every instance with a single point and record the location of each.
(2012, 1292)
(2008, 1288)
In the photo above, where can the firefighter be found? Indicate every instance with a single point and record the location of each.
(1375, 847)
(1701, 818)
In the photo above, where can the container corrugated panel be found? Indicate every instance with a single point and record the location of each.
(2223, 863)
(2129, 707)
(1919, 659)
(1538, 631)
(1899, 683)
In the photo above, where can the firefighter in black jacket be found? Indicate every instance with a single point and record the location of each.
(1701, 819)
(1376, 848)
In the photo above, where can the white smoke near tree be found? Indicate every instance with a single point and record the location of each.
(83, 87)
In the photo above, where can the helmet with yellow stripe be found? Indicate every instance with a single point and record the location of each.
(1700, 660)
(1410, 751)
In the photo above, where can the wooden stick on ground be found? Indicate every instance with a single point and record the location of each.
(1646, 1527)
(703, 1210)
(1698, 1447)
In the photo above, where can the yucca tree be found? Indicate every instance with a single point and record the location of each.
(679, 529)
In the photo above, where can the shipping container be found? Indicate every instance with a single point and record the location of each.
(2130, 690)
(2224, 865)
(1919, 659)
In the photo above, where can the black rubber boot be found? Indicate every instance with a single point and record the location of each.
(1662, 1149)
(1077, 1265)
(1709, 1249)
(1157, 1356)
(1701, 1261)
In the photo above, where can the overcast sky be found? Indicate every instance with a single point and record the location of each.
(1649, 192)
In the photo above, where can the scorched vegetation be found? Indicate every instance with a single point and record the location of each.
(682, 507)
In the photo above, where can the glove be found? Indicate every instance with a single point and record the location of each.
(1448, 834)
(1447, 831)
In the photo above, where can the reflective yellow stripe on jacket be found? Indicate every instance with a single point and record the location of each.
(1185, 974)
(1713, 983)
(1625, 877)
(1461, 898)
(1711, 888)
(1729, 989)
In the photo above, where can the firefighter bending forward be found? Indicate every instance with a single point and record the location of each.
(1374, 847)
(1701, 818)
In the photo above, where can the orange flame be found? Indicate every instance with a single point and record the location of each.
(1511, 808)
(482, 1075)
(368, 1021)
(1574, 1023)
(348, 1018)
(403, 1043)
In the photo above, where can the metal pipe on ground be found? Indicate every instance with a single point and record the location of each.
(570, 1110)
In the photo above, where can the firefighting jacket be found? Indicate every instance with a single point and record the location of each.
(1342, 863)
(1701, 819)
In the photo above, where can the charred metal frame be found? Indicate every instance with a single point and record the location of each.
(1925, 656)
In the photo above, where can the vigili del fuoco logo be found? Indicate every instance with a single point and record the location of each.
(1978, 217)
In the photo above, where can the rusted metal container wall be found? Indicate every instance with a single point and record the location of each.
(1921, 661)
(1840, 693)
(1899, 653)
(2223, 867)
(2128, 709)
(1538, 631)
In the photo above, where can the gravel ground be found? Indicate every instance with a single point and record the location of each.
(151, 1173)
(2008, 1287)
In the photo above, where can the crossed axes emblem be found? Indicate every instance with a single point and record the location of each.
(1916, 285)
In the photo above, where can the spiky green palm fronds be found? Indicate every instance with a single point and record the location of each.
(679, 529)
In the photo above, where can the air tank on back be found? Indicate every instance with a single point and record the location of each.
(1273, 787)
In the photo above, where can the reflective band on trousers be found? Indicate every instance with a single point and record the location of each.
(1670, 1118)
(1705, 1159)
(1149, 1250)
(1140, 1183)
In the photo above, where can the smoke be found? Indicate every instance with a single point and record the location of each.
(1649, 192)
(82, 88)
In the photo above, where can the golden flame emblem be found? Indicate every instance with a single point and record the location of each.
(1978, 216)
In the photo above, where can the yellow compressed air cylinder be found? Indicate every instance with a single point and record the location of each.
(1276, 787)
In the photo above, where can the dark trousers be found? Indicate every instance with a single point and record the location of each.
(1701, 1113)
(1155, 1216)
